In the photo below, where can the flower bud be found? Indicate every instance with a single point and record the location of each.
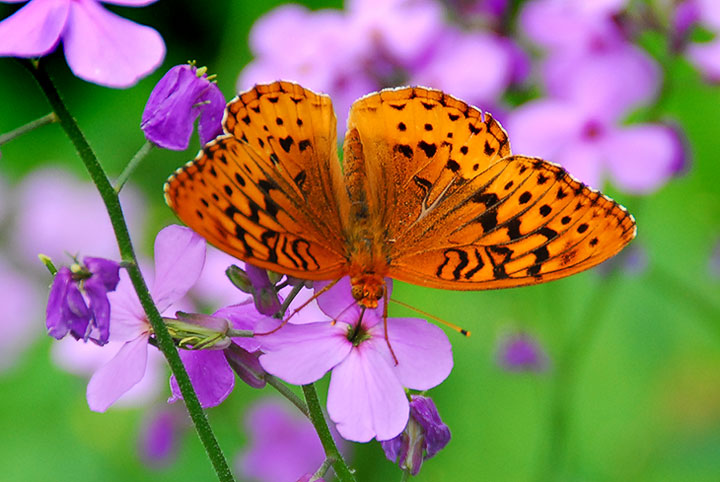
(424, 436)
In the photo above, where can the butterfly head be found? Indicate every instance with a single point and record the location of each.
(367, 289)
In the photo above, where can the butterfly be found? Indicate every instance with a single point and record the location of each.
(428, 193)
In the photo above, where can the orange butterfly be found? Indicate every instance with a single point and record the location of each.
(430, 195)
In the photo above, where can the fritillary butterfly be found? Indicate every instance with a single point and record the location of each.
(430, 195)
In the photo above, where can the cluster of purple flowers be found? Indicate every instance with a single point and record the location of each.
(594, 76)
(374, 44)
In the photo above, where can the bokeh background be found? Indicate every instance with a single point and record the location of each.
(625, 383)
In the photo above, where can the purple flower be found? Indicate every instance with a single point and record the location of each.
(183, 94)
(375, 44)
(424, 436)
(283, 445)
(78, 302)
(521, 352)
(714, 264)
(179, 258)
(705, 55)
(159, 436)
(366, 397)
(100, 47)
(586, 139)
(21, 304)
(211, 371)
(57, 214)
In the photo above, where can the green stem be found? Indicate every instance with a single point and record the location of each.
(566, 368)
(114, 209)
(287, 393)
(405, 475)
(134, 162)
(320, 473)
(44, 120)
(318, 420)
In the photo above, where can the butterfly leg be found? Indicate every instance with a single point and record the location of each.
(385, 324)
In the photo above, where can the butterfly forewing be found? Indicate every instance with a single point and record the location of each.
(270, 191)
(417, 145)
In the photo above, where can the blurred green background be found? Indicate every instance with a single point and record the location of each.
(633, 388)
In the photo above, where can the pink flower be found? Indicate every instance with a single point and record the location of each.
(57, 214)
(589, 142)
(179, 258)
(366, 397)
(100, 47)
(705, 55)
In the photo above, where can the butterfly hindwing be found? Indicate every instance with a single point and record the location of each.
(523, 221)
(269, 191)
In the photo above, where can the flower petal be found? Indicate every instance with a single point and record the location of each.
(127, 317)
(210, 375)
(423, 351)
(130, 3)
(35, 29)
(301, 354)
(542, 127)
(107, 270)
(109, 50)
(100, 309)
(365, 398)
(118, 375)
(54, 314)
(179, 260)
(641, 158)
(211, 113)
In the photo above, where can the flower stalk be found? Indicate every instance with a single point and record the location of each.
(132, 165)
(112, 203)
(318, 420)
(32, 125)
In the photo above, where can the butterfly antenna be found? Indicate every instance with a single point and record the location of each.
(453, 326)
(312, 298)
(385, 325)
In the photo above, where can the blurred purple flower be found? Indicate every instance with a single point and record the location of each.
(424, 436)
(714, 265)
(520, 352)
(309, 477)
(633, 261)
(210, 371)
(56, 214)
(282, 445)
(375, 44)
(213, 287)
(705, 55)
(183, 94)
(366, 397)
(159, 436)
(78, 301)
(586, 140)
(588, 52)
(21, 304)
(179, 258)
(100, 47)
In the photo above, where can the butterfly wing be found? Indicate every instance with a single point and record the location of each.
(270, 191)
(466, 215)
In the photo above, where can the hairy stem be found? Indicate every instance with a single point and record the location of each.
(287, 393)
(318, 420)
(44, 120)
(114, 209)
